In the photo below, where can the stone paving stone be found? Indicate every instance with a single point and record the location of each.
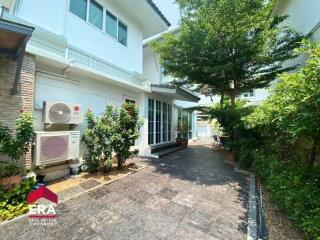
(105, 220)
(168, 193)
(207, 206)
(225, 233)
(69, 193)
(36, 233)
(125, 207)
(139, 196)
(175, 210)
(186, 231)
(98, 193)
(156, 202)
(184, 199)
(202, 221)
(16, 228)
(158, 224)
(73, 232)
(110, 198)
(192, 194)
(89, 184)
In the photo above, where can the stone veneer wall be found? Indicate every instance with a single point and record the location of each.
(10, 105)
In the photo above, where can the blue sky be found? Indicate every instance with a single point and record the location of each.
(169, 9)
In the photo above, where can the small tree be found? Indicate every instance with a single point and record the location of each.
(97, 139)
(16, 145)
(125, 128)
(228, 47)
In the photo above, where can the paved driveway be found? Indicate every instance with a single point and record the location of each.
(192, 194)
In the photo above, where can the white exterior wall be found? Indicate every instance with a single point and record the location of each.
(87, 92)
(55, 16)
(151, 67)
(303, 15)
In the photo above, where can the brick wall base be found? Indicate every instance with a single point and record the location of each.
(10, 105)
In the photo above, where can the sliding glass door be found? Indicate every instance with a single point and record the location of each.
(159, 122)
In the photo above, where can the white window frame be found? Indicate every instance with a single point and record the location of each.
(161, 122)
(125, 97)
(104, 17)
(126, 25)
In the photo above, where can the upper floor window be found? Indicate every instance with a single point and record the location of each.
(79, 8)
(131, 101)
(111, 25)
(249, 94)
(122, 34)
(96, 14)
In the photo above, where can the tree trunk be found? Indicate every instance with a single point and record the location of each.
(233, 108)
(221, 100)
(233, 100)
(313, 154)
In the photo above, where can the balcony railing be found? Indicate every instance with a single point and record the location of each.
(93, 63)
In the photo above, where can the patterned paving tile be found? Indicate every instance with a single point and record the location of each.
(192, 194)
(89, 184)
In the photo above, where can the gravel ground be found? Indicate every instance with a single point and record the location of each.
(278, 225)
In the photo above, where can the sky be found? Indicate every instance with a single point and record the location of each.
(170, 10)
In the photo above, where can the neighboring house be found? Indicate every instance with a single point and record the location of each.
(304, 17)
(89, 52)
(184, 120)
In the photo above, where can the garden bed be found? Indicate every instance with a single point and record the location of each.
(278, 225)
(70, 187)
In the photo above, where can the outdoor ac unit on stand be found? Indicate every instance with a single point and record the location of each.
(55, 147)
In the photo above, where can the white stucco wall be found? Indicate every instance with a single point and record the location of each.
(56, 17)
(87, 92)
(151, 66)
(303, 15)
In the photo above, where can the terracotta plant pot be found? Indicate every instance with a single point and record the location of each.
(182, 141)
(232, 157)
(10, 182)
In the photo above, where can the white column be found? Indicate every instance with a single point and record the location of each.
(142, 142)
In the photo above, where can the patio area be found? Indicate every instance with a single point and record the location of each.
(192, 194)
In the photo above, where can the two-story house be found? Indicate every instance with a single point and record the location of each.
(88, 52)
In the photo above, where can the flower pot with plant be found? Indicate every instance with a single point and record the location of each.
(183, 129)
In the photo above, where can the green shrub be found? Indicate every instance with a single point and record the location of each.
(14, 202)
(116, 131)
(97, 139)
(8, 169)
(126, 125)
(289, 116)
(231, 121)
(16, 145)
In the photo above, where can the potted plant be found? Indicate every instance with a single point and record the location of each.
(14, 146)
(183, 129)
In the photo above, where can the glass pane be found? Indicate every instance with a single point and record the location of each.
(130, 101)
(150, 121)
(79, 8)
(122, 34)
(111, 25)
(96, 14)
(158, 122)
(165, 122)
(169, 122)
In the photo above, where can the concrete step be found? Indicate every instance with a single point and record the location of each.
(163, 147)
(167, 152)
